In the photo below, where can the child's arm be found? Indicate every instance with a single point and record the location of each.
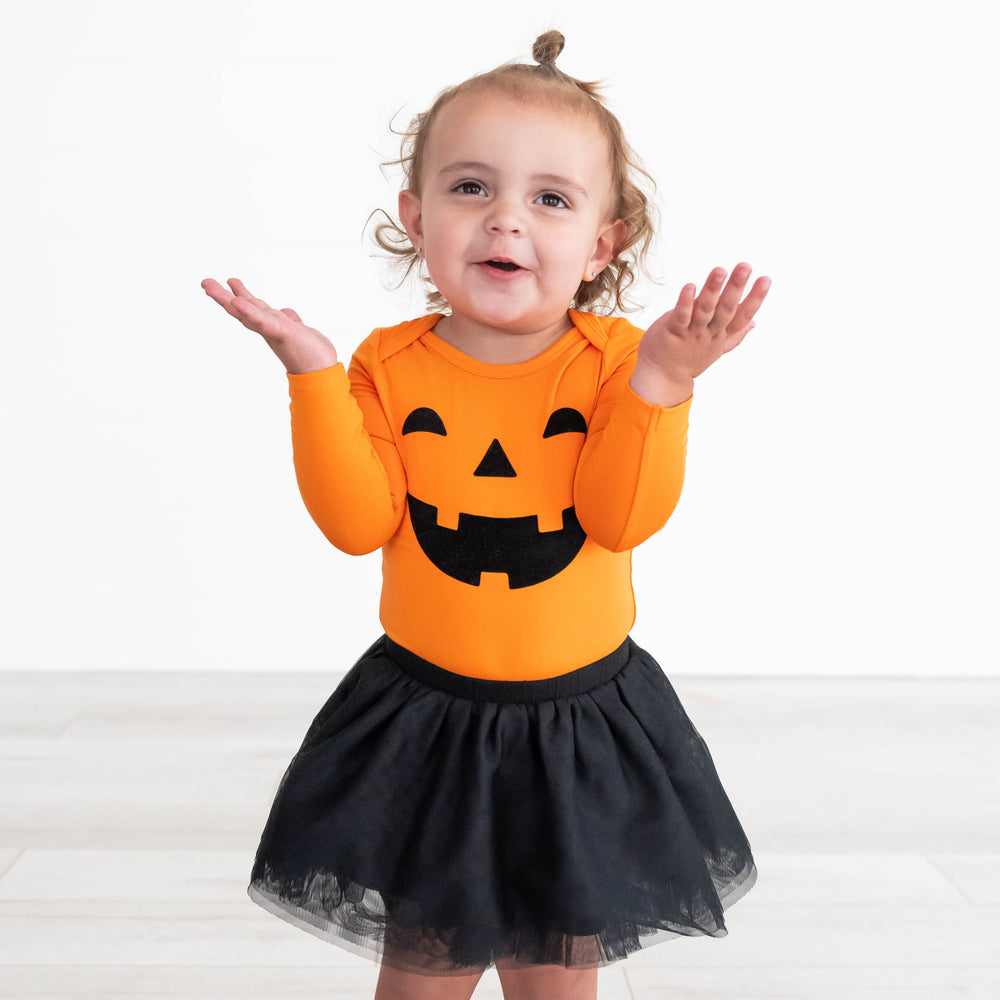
(349, 485)
(682, 343)
(351, 480)
(632, 467)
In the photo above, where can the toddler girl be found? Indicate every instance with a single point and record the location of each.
(504, 777)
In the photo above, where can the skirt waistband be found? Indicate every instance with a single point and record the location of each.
(576, 682)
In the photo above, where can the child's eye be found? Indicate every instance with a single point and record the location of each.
(552, 200)
(469, 187)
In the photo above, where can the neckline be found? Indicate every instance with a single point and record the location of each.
(490, 369)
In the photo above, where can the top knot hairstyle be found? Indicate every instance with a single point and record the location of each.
(547, 48)
(541, 82)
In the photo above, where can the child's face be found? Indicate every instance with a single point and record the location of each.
(513, 214)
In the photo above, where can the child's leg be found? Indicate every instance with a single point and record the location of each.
(396, 985)
(546, 982)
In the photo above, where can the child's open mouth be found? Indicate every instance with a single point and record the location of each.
(503, 265)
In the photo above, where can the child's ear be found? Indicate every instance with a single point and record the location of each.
(411, 217)
(611, 236)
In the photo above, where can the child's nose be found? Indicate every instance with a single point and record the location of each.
(504, 217)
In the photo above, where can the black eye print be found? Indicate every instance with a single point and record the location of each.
(423, 418)
(565, 421)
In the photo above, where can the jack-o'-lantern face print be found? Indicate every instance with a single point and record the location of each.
(518, 545)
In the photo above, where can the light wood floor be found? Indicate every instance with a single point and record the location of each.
(130, 806)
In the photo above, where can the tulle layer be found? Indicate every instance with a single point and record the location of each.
(440, 822)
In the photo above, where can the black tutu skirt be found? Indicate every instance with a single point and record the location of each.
(442, 822)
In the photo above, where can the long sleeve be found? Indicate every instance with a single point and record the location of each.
(349, 475)
(632, 467)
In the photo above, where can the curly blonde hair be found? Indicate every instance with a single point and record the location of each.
(544, 81)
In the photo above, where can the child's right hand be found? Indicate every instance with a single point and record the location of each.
(693, 335)
(300, 348)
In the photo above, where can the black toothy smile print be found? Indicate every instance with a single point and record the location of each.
(511, 545)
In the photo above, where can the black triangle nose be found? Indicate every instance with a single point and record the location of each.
(495, 463)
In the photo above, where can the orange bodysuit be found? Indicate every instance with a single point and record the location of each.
(506, 499)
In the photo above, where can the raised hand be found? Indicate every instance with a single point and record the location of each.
(682, 343)
(300, 348)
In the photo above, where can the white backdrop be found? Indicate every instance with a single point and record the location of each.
(840, 511)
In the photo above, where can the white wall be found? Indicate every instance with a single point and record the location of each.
(840, 512)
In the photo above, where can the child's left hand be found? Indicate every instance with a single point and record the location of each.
(682, 343)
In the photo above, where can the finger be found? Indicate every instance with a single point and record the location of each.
(243, 308)
(292, 314)
(224, 297)
(243, 292)
(735, 339)
(749, 306)
(704, 305)
(685, 304)
(267, 322)
(245, 312)
(729, 300)
(216, 291)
